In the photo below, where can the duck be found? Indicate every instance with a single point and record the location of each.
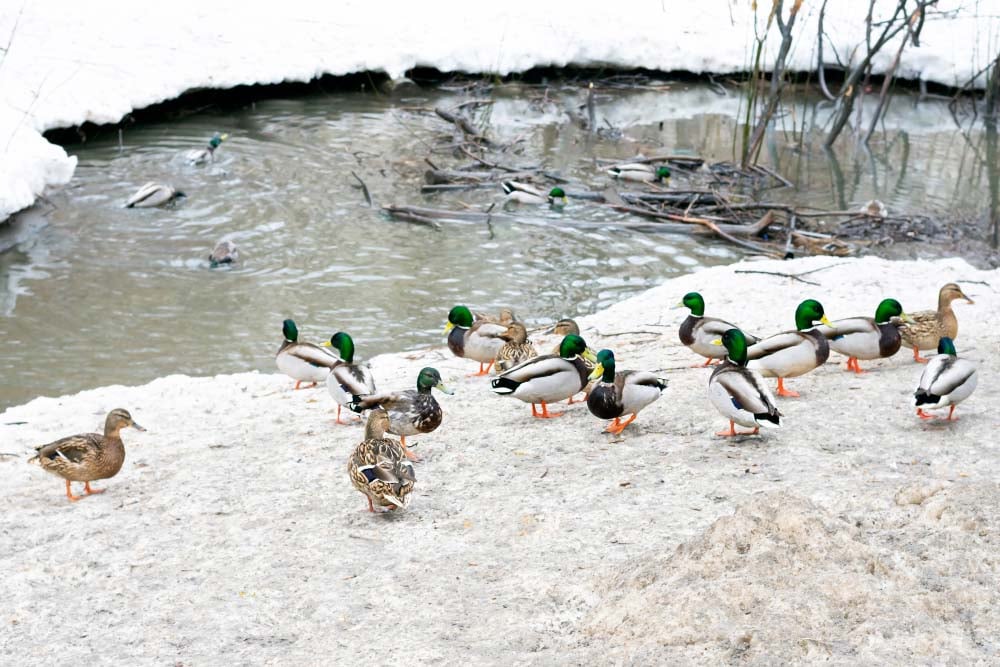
(206, 154)
(347, 379)
(640, 172)
(303, 362)
(874, 209)
(793, 353)
(522, 193)
(927, 327)
(152, 195)
(225, 252)
(548, 378)
(866, 337)
(516, 349)
(563, 328)
(699, 332)
(89, 456)
(505, 316)
(620, 393)
(378, 467)
(410, 412)
(946, 381)
(740, 393)
(478, 340)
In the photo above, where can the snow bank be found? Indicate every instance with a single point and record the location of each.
(856, 533)
(69, 63)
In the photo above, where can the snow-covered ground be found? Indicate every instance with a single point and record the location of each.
(854, 534)
(70, 62)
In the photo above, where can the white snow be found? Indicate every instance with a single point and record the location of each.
(67, 63)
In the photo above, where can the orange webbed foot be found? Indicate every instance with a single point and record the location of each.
(90, 491)
(785, 392)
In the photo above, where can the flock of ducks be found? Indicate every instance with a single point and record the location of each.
(382, 468)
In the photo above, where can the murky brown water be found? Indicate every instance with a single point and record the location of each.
(92, 293)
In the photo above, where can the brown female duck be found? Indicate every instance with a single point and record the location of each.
(378, 467)
(925, 328)
(516, 348)
(89, 456)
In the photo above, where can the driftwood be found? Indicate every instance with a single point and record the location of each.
(464, 125)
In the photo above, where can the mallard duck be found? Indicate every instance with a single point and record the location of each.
(638, 171)
(548, 378)
(153, 194)
(522, 193)
(504, 317)
(874, 209)
(347, 379)
(206, 154)
(225, 252)
(698, 332)
(738, 392)
(303, 362)
(411, 411)
(865, 337)
(621, 393)
(793, 353)
(377, 466)
(563, 328)
(89, 456)
(927, 327)
(516, 349)
(473, 339)
(947, 381)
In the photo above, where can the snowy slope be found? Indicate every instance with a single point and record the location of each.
(71, 62)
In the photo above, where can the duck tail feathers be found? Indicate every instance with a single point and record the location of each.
(768, 420)
(503, 386)
(926, 398)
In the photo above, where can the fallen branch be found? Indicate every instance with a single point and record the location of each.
(364, 189)
(464, 125)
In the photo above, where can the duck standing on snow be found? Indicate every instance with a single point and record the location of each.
(378, 467)
(347, 379)
(741, 394)
(927, 327)
(303, 362)
(206, 154)
(89, 456)
(563, 328)
(866, 337)
(516, 349)
(699, 332)
(621, 393)
(548, 378)
(947, 381)
(153, 194)
(225, 252)
(639, 172)
(410, 412)
(474, 339)
(793, 353)
(522, 193)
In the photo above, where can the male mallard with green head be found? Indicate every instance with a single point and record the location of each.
(947, 381)
(378, 467)
(89, 456)
(522, 193)
(639, 172)
(548, 378)
(474, 339)
(347, 379)
(698, 332)
(303, 362)
(410, 412)
(793, 353)
(620, 393)
(866, 337)
(152, 195)
(206, 154)
(738, 392)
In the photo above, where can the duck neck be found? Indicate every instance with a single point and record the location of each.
(609, 373)
(376, 426)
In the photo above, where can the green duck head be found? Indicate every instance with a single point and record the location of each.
(217, 140)
(662, 173)
(736, 345)
(290, 330)
(695, 302)
(605, 368)
(809, 313)
(459, 316)
(343, 344)
(557, 196)
(888, 309)
(573, 346)
(428, 379)
(947, 346)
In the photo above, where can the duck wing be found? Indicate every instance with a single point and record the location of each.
(72, 449)
(775, 343)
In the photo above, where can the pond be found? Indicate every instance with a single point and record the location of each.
(92, 293)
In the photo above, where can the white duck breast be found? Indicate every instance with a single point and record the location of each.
(947, 380)
(788, 354)
(740, 394)
(548, 379)
(345, 381)
(480, 343)
(151, 195)
(305, 362)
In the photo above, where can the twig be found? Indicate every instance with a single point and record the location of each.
(364, 189)
(464, 125)
(492, 165)
(783, 275)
